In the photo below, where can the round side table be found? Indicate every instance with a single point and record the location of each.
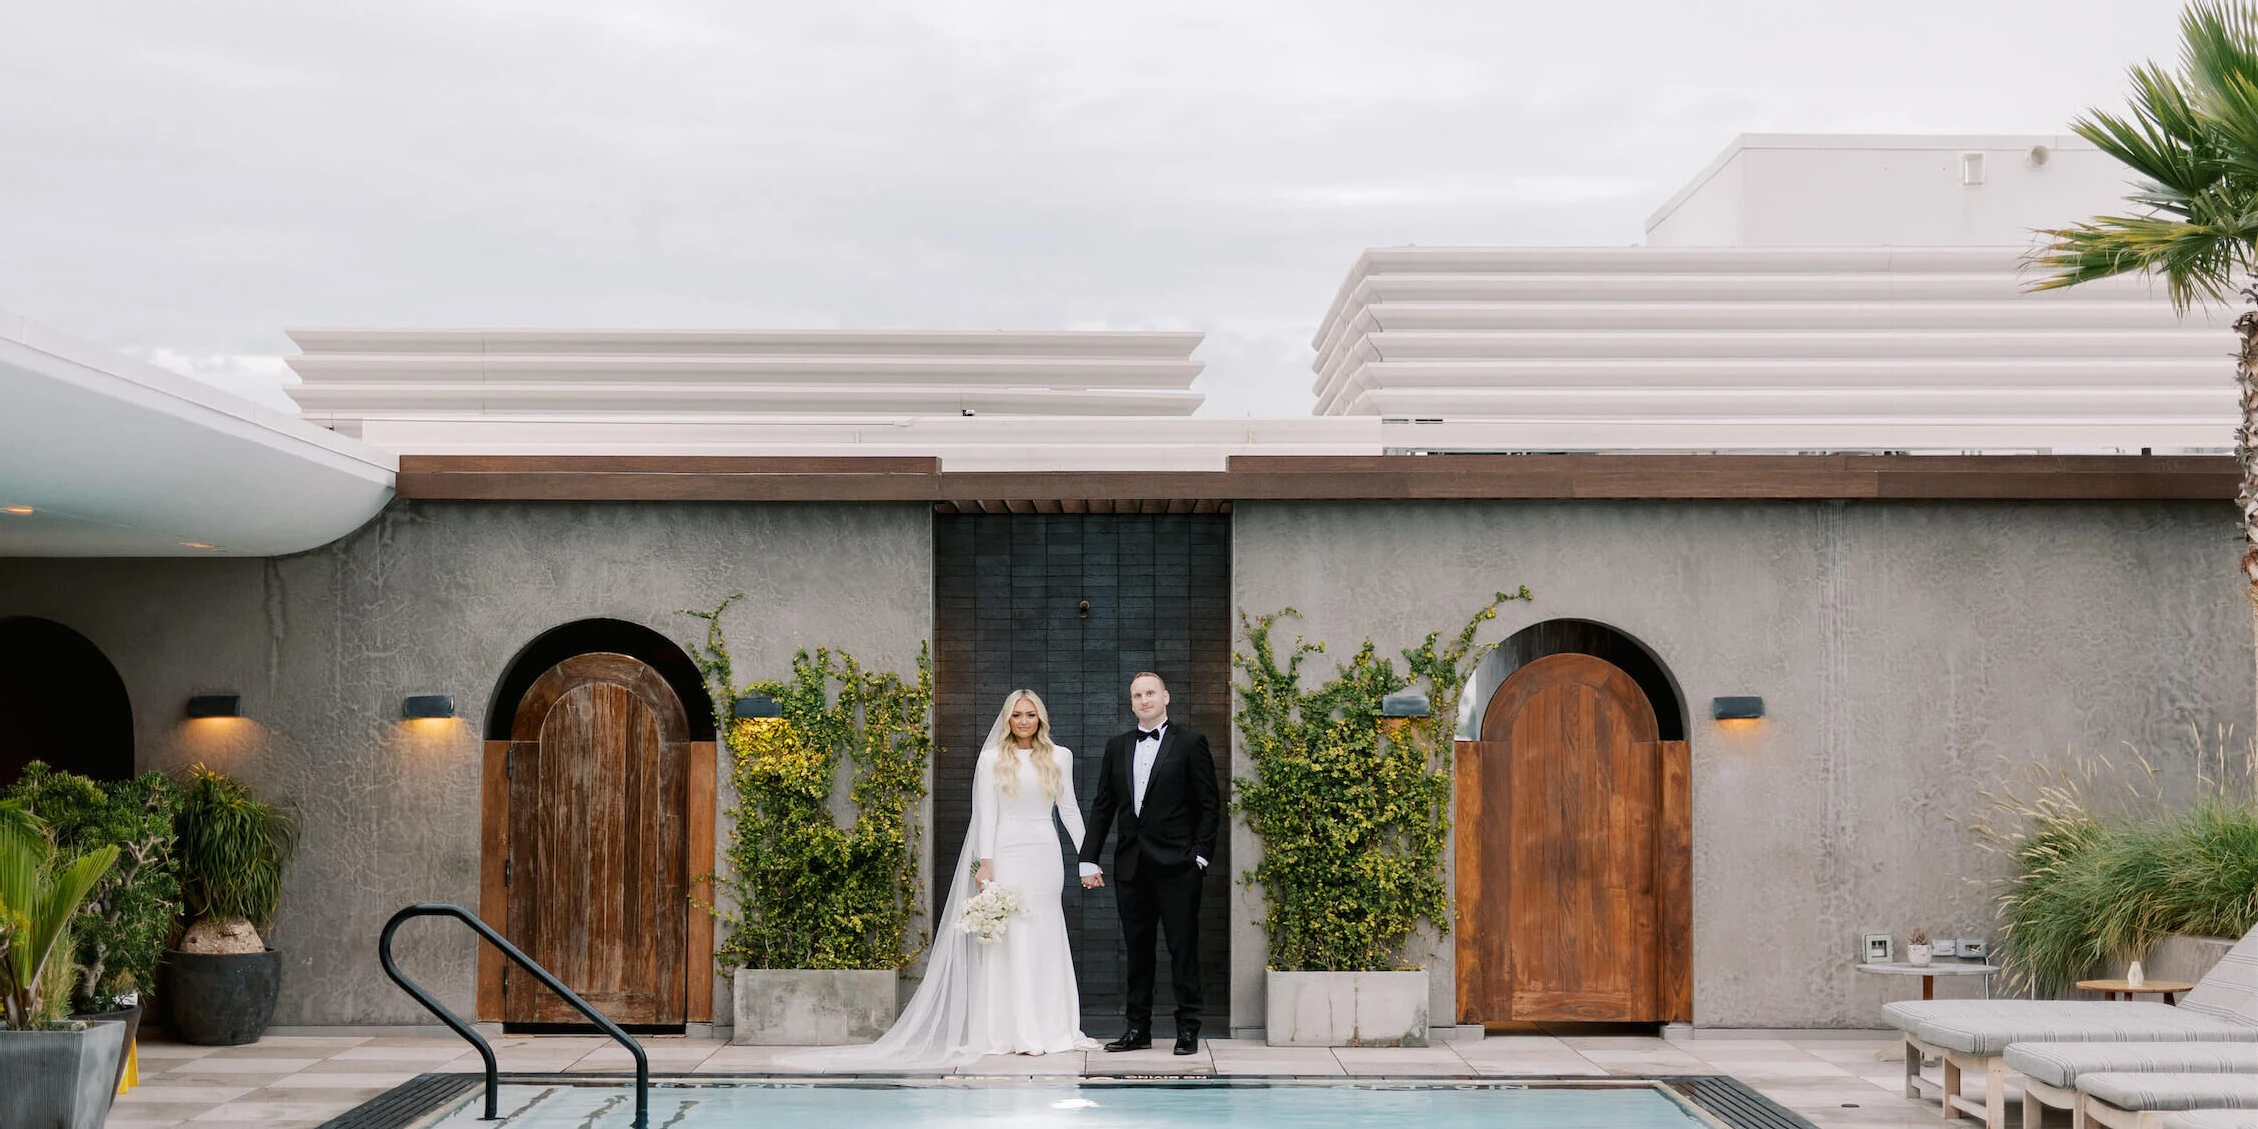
(1929, 973)
(2111, 989)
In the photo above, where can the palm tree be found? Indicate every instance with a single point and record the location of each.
(2192, 139)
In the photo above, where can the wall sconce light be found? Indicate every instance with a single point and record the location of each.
(216, 705)
(427, 705)
(756, 706)
(1405, 703)
(1745, 708)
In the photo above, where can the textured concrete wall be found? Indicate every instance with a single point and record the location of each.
(437, 598)
(1904, 653)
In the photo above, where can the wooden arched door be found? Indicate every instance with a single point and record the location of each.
(1573, 854)
(599, 859)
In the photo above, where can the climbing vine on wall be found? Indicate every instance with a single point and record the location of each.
(1353, 813)
(803, 891)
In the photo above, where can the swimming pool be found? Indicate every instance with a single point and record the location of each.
(570, 1103)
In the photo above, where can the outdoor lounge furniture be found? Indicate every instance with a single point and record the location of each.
(1974, 1034)
(2051, 1070)
(2145, 1101)
(2213, 1119)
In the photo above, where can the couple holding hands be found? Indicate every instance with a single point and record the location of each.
(1014, 992)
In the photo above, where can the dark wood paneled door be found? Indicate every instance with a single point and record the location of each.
(1573, 853)
(598, 872)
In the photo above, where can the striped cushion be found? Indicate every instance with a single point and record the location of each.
(1999, 1022)
(2059, 1064)
(2172, 1091)
(2213, 1119)
(2229, 991)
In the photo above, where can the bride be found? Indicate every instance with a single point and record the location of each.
(1016, 995)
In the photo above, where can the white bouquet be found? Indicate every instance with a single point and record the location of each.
(986, 913)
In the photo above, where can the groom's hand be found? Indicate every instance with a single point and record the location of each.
(1093, 881)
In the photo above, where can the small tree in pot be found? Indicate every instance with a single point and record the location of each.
(232, 848)
(52, 1071)
(120, 930)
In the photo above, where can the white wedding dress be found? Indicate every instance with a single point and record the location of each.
(1024, 1000)
(1018, 994)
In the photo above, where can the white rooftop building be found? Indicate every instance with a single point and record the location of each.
(1803, 293)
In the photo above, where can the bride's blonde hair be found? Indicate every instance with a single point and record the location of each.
(1007, 748)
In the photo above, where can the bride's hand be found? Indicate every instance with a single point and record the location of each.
(986, 874)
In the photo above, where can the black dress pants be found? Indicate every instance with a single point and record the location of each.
(1169, 897)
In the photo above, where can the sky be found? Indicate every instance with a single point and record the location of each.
(182, 181)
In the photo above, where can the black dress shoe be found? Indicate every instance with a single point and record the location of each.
(1134, 1039)
(1188, 1042)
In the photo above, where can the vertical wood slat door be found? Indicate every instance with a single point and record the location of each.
(598, 863)
(1572, 853)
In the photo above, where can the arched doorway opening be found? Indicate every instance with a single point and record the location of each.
(598, 814)
(60, 702)
(1574, 836)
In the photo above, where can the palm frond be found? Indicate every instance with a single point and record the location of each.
(2220, 57)
(2163, 140)
(2196, 261)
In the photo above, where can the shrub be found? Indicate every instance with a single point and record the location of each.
(232, 848)
(2091, 887)
(806, 892)
(1353, 819)
(121, 928)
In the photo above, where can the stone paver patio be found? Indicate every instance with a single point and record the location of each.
(302, 1080)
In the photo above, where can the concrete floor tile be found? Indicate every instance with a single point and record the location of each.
(245, 1064)
(154, 1092)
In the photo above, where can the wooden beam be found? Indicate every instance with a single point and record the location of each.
(1325, 478)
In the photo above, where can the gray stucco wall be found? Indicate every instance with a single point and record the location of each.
(437, 598)
(1906, 653)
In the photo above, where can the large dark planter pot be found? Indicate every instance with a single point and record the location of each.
(131, 1017)
(222, 999)
(59, 1079)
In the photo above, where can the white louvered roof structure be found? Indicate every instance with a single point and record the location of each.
(1802, 293)
(1767, 349)
(353, 375)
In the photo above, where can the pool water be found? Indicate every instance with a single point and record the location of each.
(1127, 1106)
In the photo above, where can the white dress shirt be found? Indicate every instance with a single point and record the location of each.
(1141, 774)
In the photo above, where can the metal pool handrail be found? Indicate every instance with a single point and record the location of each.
(493, 1079)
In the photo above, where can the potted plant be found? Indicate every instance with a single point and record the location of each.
(232, 848)
(1350, 797)
(53, 1071)
(120, 930)
(818, 918)
(1917, 948)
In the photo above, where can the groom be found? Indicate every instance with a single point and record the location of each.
(1160, 780)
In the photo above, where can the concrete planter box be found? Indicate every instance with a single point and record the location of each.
(802, 1007)
(60, 1079)
(1347, 1009)
(2185, 957)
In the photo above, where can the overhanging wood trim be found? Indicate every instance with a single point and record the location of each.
(657, 478)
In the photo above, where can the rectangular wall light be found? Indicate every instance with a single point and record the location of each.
(216, 705)
(756, 706)
(1737, 708)
(427, 705)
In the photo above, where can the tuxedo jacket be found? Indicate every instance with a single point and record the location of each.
(1182, 805)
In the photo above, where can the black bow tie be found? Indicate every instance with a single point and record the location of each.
(1153, 735)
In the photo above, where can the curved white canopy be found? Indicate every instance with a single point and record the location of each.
(102, 455)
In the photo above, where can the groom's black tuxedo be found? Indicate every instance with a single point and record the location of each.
(1182, 806)
(1155, 865)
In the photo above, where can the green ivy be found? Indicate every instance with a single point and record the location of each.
(1353, 817)
(808, 893)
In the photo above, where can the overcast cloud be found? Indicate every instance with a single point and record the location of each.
(182, 180)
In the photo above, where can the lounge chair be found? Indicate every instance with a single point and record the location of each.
(2213, 1119)
(2146, 1101)
(1974, 1034)
(2051, 1070)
